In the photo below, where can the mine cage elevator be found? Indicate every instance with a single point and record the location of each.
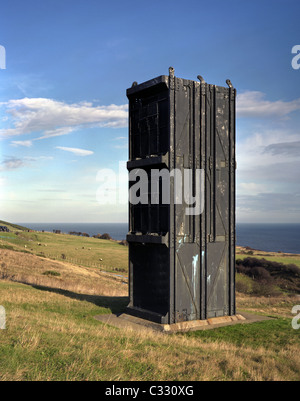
(182, 266)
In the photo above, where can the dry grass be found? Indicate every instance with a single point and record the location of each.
(44, 344)
(279, 306)
(106, 255)
(31, 269)
(52, 334)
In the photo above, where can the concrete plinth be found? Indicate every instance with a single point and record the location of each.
(138, 324)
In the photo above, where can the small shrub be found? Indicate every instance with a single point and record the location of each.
(293, 269)
(264, 289)
(243, 284)
(51, 273)
(105, 236)
(119, 269)
(261, 273)
(242, 287)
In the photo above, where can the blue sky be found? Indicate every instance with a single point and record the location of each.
(63, 105)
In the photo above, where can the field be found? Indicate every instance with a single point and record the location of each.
(91, 252)
(286, 258)
(51, 333)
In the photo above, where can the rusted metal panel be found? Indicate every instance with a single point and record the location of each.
(181, 266)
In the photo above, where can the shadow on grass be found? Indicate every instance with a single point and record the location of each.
(117, 305)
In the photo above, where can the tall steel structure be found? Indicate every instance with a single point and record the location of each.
(182, 267)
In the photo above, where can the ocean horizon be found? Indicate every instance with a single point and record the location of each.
(271, 237)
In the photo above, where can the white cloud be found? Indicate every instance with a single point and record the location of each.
(118, 138)
(252, 188)
(284, 148)
(254, 104)
(266, 164)
(13, 163)
(269, 207)
(22, 143)
(122, 142)
(76, 151)
(56, 132)
(256, 149)
(55, 118)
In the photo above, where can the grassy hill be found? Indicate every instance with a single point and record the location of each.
(12, 227)
(51, 333)
(107, 255)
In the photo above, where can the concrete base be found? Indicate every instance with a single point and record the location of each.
(138, 324)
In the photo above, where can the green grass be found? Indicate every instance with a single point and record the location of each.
(90, 252)
(12, 227)
(244, 284)
(52, 336)
(280, 259)
(51, 273)
(273, 334)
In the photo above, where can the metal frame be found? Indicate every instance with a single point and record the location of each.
(183, 267)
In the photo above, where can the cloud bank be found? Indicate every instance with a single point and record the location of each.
(253, 104)
(50, 118)
(55, 118)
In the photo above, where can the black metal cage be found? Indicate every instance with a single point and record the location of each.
(182, 266)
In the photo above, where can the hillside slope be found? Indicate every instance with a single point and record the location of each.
(12, 226)
(31, 269)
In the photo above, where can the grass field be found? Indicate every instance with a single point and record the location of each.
(51, 333)
(12, 227)
(285, 258)
(92, 252)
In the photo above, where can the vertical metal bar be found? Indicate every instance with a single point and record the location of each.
(140, 131)
(232, 306)
(206, 132)
(197, 157)
(158, 150)
(172, 217)
(190, 156)
(213, 165)
(130, 211)
(195, 153)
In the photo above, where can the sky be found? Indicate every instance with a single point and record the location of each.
(64, 110)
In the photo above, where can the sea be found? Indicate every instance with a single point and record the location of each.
(264, 237)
